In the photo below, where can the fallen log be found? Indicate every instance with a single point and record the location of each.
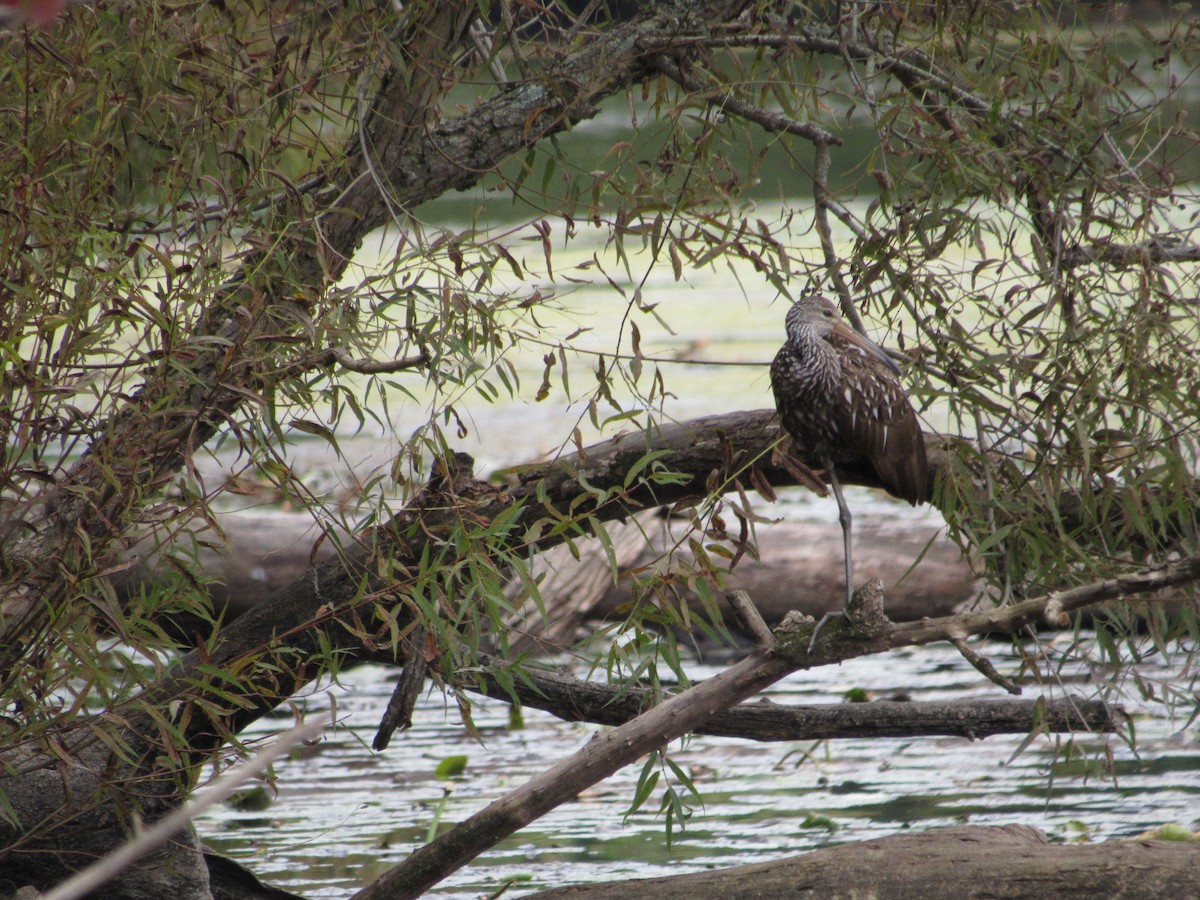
(969, 861)
(247, 556)
(796, 566)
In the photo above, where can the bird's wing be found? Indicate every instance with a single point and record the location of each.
(877, 421)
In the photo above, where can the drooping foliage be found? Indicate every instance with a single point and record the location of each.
(1005, 195)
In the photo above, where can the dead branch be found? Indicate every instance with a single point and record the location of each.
(303, 616)
(574, 699)
(272, 647)
(363, 366)
(599, 758)
(984, 666)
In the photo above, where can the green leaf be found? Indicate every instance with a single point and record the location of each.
(451, 767)
(647, 781)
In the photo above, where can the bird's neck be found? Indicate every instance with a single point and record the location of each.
(808, 343)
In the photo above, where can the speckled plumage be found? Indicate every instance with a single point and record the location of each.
(839, 398)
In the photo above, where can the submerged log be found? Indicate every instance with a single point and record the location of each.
(971, 861)
(575, 699)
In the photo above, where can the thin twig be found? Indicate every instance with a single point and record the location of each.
(485, 42)
(984, 666)
(581, 19)
(989, 486)
(211, 212)
(363, 366)
(773, 122)
(821, 167)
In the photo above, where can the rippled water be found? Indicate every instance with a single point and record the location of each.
(344, 813)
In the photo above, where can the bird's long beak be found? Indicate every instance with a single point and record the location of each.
(866, 344)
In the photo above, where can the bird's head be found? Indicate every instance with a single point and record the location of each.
(815, 315)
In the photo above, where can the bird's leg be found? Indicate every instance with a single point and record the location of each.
(845, 520)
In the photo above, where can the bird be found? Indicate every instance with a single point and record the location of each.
(839, 397)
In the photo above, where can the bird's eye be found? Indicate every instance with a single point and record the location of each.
(828, 313)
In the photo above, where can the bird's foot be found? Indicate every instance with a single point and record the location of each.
(864, 612)
(825, 619)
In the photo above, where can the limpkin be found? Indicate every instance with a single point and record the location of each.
(840, 399)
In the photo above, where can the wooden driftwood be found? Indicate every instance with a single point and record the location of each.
(995, 862)
(306, 620)
(567, 697)
(798, 567)
(795, 566)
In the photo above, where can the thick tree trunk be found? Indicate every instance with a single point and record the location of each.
(973, 861)
(83, 821)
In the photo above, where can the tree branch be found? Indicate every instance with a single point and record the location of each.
(455, 154)
(363, 366)
(915, 69)
(603, 755)
(749, 617)
(301, 617)
(150, 438)
(180, 407)
(576, 700)
(984, 666)
(272, 647)
(773, 122)
(1049, 610)
(1167, 249)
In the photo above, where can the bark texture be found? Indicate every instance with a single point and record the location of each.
(88, 820)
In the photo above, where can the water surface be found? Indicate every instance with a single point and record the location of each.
(344, 814)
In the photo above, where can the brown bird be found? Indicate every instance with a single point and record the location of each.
(840, 399)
